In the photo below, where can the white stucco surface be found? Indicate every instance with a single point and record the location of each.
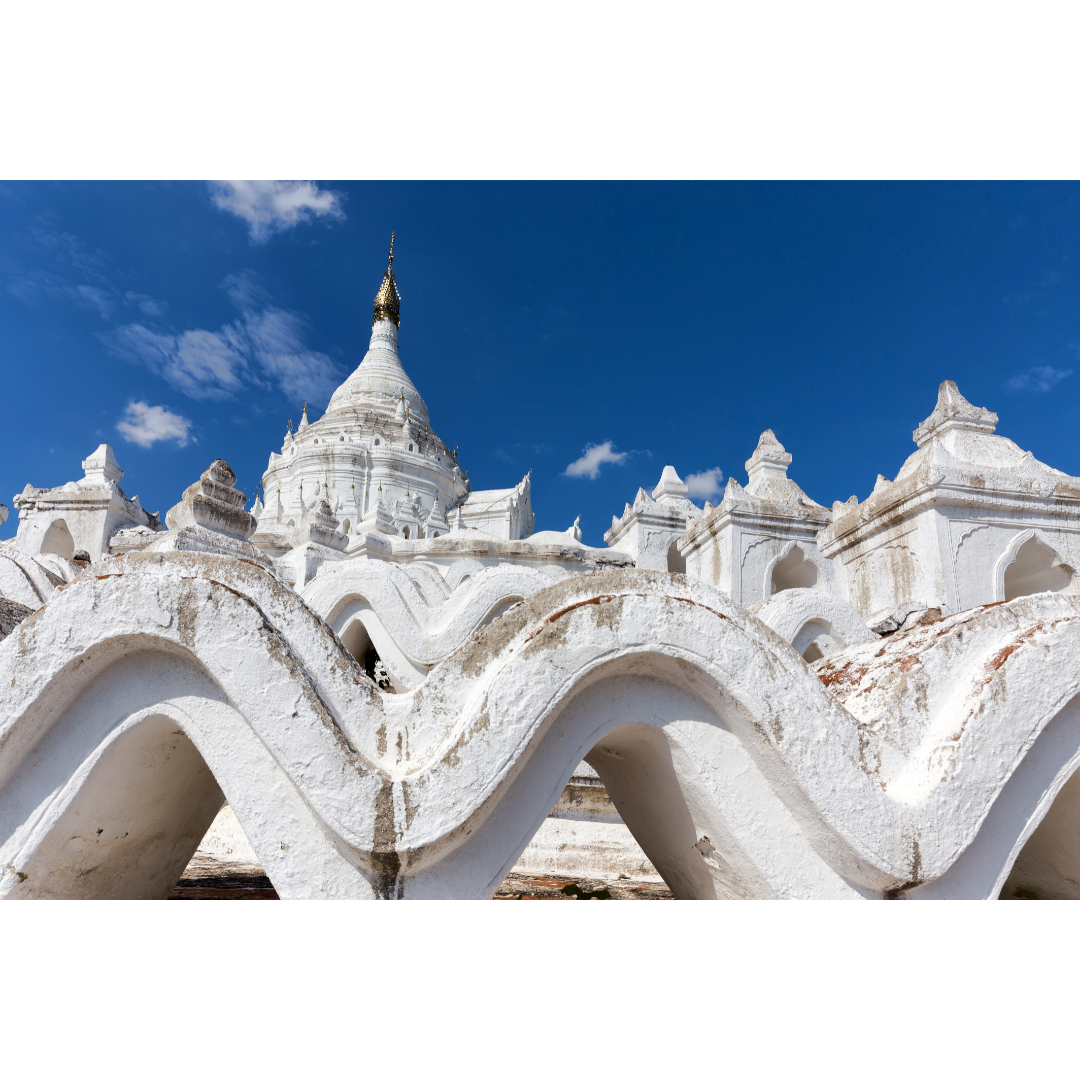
(866, 776)
(378, 683)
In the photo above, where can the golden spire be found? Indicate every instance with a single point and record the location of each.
(388, 299)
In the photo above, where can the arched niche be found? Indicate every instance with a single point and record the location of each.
(1036, 568)
(676, 562)
(793, 571)
(58, 540)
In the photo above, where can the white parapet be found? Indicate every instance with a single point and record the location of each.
(740, 770)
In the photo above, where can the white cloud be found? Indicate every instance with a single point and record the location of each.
(271, 206)
(245, 291)
(275, 340)
(704, 485)
(594, 456)
(147, 424)
(264, 346)
(69, 248)
(102, 296)
(1038, 379)
(205, 363)
(40, 285)
(98, 299)
(146, 304)
(199, 363)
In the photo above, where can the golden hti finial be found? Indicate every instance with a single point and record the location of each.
(388, 299)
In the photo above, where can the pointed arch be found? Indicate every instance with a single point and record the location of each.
(793, 568)
(1031, 564)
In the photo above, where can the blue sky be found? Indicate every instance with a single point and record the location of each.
(653, 323)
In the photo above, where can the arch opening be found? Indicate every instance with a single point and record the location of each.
(405, 532)
(58, 541)
(134, 823)
(584, 841)
(635, 764)
(676, 563)
(358, 642)
(1029, 838)
(1037, 568)
(642, 730)
(1048, 866)
(794, 571)
(815, 640)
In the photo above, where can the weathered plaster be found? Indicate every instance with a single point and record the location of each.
(637, 671)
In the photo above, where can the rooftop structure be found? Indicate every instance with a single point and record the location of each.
(81, 515)
(648, 529)
(970, 519)
(762, 538)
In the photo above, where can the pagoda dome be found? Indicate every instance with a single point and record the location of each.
(380, 382)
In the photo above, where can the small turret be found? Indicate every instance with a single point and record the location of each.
(101, 468)
(436, 523)
(768, 462)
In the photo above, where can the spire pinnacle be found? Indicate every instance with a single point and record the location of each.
(388, 299)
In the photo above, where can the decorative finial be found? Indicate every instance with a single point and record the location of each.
(388, 299)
